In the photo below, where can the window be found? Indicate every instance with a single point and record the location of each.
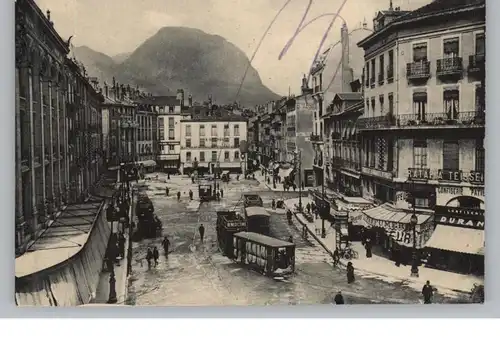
(381, 69)
(420, 105)
(226, 155)
(451, 48)
(214, 130)
(421, 202)
(202, 156)
(202, 131)
(170, 109)
(420, 153)
(188, 143)
(236, 155)
(214, 156)
(373, 106)
(188, 156)
(420, 52)
(381, 102)
(367, 109)
(451, 156)
(451, 103)
(480, 44)
(367, 74)
(480, 159)
(202, 143)
(390, 98)
(188, 131)
(226, 130)
(171, 134)
(479, 99)
(171, 122)
(226, 142)
(372, 77)
(236, 130)
(171, 148)
(390, 67)
(236, 142)
(214, 142)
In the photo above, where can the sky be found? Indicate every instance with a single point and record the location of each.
(119, 26)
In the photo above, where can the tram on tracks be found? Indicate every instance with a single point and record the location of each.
(258, 220)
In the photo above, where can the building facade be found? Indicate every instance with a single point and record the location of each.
(423, 126)
(212, 143)
(58, 124)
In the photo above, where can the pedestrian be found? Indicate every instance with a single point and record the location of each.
(289, 216)
(121, 244)
(397, 256)
(294, 187)
(238, 177)
(149, 257)
(221, 193)
(178, 195)
(303, 186)
(350, 273)
(339, 299)
(190, 195)
(368, 247)
(308, 207)
(167, 190)
(427, 292)
(156, 255)
(166, 245)
(290, 239)
(273, 204)
(201, 230)
(313, 207)
(168, 176)
(336, 257)
(218, 196)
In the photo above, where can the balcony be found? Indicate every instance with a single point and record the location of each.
(445, 175)
(350, 165)
(452, 66)
(420, 70)
(476, 63)
(316, 138)
(377, 173)
(380, 79)
(377, 122)
(459, 120)
(318, 160)
(390, 74)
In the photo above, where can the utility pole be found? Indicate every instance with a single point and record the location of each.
(297, 161)
(323, 206)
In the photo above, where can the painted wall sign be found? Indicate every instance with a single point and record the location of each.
(460, 176)
(460, 217)
(458, 221)
(451, 190)
(477, 192)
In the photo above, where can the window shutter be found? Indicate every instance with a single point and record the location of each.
(451, 155)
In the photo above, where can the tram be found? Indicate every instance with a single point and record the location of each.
(271, 256)
(228, 223)
(257, 220)
(148, 224)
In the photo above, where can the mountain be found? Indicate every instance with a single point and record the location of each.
(187, 58)
(119, 58)
(97, 64)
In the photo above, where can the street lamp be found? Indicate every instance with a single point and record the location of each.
(413, 224)
(323, 212)
(297, 155)
(112, 286)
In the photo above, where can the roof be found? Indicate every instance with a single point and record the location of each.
(434, 8)
(256, 211)
(349, 96)
(261, 239)
(62, 240)
(160, 101)
(227, 118)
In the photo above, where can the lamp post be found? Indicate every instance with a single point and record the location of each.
(323, 212)
(297, 161)
(112, 286)
(414, 263)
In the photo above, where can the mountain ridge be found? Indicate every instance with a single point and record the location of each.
(182, 58)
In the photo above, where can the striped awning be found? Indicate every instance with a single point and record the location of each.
(456, 239)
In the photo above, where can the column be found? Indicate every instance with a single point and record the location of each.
(33, 167)
(51, 148)
(43, 145)
(19, 179)
(58, 145)
(66, 99)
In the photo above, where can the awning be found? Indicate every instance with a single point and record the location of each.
(284, 173)
(229, 165)
(147, 163)
(169, 157)
(390, 218)
(456, 239)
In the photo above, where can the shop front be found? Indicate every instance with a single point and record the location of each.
(169, 163)
(390, 230)
(457, 243)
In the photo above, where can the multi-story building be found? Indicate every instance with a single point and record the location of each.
(119, 124)
(171, 110)
(147, 134)
(58, 124)
(253, 141)
(423, 129)
(212, 143)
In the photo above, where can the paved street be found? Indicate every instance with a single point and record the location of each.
(202, 276)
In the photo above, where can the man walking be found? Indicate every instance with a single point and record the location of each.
(427, 292)
(166, 245)
(156, 256)
(201, 230)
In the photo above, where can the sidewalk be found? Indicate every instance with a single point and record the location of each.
(279, 186)
(448, 283)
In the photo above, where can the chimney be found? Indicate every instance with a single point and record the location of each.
(190, 100)
(346, 69)
(106, 91)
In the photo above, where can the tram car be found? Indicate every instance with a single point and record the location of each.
(228, 223)
(257, 219)
(148, 224)
(206, 192)
(252, 200)
(270, 256)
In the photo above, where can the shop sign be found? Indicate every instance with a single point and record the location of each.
(460, 217)
(419, 174)
(404, 237)
(451, 190)
(477, 192)
(460, 176)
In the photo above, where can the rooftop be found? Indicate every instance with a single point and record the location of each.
(261, 239)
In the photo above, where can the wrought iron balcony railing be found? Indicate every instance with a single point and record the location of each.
(316, 138)
(449, 66)
(418, 70)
